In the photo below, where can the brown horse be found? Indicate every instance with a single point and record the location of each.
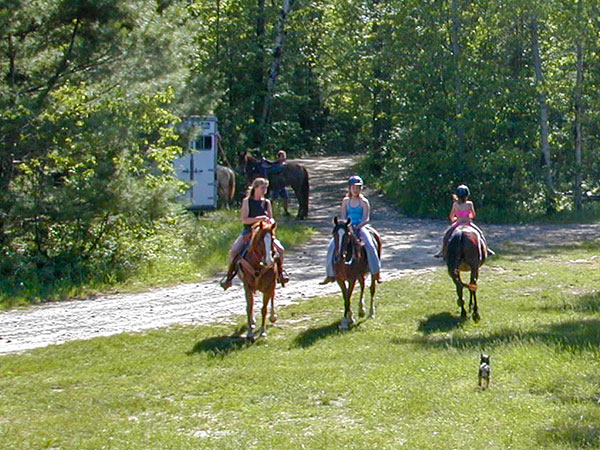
(466, 251)
(350, 265)
(258, 270)
(292, 174)
(225, 185)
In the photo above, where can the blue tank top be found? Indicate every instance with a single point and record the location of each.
(354, 213)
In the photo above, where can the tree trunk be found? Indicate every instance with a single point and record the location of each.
(458, 87)
(578, 112)
(382, 107)
(541, 89)
(276, 63)
(259, 75)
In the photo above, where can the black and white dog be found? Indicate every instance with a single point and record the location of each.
(485, 369)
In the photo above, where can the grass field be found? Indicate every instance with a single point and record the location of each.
(406, 379)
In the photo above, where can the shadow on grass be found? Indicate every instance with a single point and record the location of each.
(221, 345)
(573, 436)
(312, 335)
(440, 322)
(578, 334)
(511, 250)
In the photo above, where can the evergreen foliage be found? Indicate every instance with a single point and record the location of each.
(500, 95)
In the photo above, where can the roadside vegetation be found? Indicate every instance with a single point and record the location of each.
(406, 379)
(180, 248)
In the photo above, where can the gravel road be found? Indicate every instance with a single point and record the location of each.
(408, 248)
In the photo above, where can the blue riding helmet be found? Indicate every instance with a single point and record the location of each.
(462, 191)
(355, 179)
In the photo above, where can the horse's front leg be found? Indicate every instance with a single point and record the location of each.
(372, 290)
(267, 299)
(345, 294)
(250, 312)
(362, 312)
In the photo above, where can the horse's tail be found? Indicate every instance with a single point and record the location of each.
(231, 185)
(304, 192)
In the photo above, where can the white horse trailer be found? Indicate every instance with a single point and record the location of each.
(198, 164)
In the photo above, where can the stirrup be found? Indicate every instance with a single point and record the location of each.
(226, 282)
(439, 254)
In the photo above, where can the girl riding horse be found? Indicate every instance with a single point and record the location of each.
(255, 208)
(356, 207)
(462, 213)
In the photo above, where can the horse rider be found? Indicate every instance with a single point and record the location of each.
(255, 207)
(462, 213)
(356, 207)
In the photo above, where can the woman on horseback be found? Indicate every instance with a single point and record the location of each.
(255, 207)
(462, 213)
(356, 207)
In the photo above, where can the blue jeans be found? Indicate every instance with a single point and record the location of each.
(370, 247)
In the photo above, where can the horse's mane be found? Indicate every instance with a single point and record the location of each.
(256, 227)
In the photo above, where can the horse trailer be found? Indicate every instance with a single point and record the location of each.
(197, 166)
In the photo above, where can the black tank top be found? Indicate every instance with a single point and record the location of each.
(256, 208)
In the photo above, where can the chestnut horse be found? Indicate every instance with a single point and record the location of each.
(291, 174)
(466, 251)
(350, 265)
(257, 269)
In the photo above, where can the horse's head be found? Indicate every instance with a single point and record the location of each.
(343, 237)
(263, 234)
(250, 166)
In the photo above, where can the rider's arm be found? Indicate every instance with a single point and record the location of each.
(268, 208)
(343, 211)
(453, 217)
(472, 210)
(366, 213)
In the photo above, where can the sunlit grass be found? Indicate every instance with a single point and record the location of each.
(407, 379)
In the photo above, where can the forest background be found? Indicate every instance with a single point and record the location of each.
(501, 95)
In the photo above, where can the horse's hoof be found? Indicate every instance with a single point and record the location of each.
(372, 315)
(273, 318)
(263, 333)
(463, 314)
(250, 338)
(362, 313)
(476, 317)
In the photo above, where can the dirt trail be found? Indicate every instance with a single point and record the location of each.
(408, 248)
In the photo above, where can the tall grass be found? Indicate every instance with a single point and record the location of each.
(186, 250)
(407, 379)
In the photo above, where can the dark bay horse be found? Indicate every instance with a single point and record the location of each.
(258, 271)
(292, 174)
(466, 251)
(349, 266)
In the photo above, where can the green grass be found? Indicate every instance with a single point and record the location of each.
(407, 379)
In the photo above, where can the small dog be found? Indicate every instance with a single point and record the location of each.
(485, 369)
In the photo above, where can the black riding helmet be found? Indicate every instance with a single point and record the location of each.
(462, 191)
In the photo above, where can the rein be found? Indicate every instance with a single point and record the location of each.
(250, 270)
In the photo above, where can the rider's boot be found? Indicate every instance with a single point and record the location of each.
(227, 281)
(328, 279)
(282, 275)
